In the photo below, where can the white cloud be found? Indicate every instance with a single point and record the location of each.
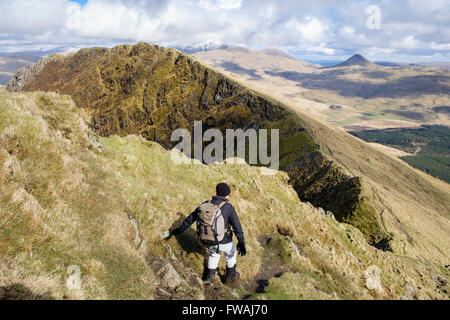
(216, 5)
(327, 27)
(108, 20)
(311, 28)
(347, 31)
(230, 4)
(32, 16)
(408, 42)
(322, 49)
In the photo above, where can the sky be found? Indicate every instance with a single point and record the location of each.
(381, 30)
(81, 2)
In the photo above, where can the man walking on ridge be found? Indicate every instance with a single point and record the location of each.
(214, 219)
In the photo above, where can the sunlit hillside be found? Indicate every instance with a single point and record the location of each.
(71, 198)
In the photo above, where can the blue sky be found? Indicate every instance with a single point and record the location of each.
(82, 2)
(398, 30)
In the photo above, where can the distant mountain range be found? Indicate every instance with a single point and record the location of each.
(15, 60)
(10, 63)
(200, 47)
(394, 95)
(438, 65)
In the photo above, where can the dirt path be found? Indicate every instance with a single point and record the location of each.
(271, 267)
(246, 289)
(417, 151)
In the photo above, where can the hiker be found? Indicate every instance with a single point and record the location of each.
(214, 219)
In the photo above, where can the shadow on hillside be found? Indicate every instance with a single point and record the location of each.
(188, 240)
(289, 75)
(376, 74)
(19, 292)
(405, 86)
(235, 68)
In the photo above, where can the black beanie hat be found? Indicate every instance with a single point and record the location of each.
(223, 190)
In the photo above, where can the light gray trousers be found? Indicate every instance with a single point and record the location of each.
(229, 250)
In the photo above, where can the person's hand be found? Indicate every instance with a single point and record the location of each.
(175, 232)
(241, 248)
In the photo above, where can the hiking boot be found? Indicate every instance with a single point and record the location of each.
(232, 275)
(210, 275)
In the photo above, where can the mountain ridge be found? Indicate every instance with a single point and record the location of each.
(339, 178)
(277, 52)
(128, 104)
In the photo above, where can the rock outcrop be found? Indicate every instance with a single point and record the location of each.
(26, 74)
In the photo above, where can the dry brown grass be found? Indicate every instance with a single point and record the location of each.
(65, 209)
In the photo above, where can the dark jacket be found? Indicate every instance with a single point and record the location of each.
(230, 218)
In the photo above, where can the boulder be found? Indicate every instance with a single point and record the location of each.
(330, 215)
(166, 273)
(322, 212)
(410, 293)
(337, 108)
(373, 278)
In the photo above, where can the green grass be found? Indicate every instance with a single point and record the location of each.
(305, 285)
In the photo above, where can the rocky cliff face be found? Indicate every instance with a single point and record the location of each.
(27, 74)
(151, 91)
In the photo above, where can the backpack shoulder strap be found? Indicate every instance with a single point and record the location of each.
(222, 204)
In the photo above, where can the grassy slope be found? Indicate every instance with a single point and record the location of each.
(150, 91)
(62, 204)
(413, 206)
(65, 203)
